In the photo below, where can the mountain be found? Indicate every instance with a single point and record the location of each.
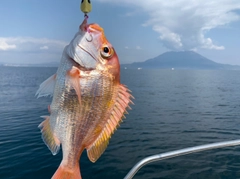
(181, 60)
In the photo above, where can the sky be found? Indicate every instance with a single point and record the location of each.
(34, 32)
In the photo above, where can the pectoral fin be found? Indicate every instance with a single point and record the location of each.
(73, 77)
(117, 110)
(47, 87)
(48, 137)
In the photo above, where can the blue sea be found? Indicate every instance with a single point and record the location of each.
(173, 109)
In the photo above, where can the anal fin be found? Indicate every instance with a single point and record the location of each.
(48, 137)
(99, 145)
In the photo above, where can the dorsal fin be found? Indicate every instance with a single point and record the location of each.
(120, 103)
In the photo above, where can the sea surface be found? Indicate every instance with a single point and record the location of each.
(173, 109)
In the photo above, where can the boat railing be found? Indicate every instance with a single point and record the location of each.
(177, 153)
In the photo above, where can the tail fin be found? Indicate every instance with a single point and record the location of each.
(66, 173)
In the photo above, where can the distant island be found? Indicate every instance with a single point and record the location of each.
(168, 60)
(50, 64)
(180, 60)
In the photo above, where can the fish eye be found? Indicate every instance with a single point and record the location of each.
(106, 52)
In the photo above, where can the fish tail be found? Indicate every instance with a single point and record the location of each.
(66, 173)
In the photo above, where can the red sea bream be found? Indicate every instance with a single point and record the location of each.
(88, 100)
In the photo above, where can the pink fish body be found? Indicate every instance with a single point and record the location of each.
(88, 100)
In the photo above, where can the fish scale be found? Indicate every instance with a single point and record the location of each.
(91, 112)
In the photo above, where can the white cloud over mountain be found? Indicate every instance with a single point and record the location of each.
(183, 24)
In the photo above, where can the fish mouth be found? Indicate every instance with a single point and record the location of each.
(83, 51)
(81, 65)
(87, 65)
(87, 52)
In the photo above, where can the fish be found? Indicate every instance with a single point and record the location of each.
(88, 100)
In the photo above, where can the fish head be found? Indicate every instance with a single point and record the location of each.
(92, 51)
(102, 50)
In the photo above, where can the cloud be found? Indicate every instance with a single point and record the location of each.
(44, 47)
(138, 48)
(29, 44)
(183, 24)
(5, 46)
(134, 48)
(29, 50)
